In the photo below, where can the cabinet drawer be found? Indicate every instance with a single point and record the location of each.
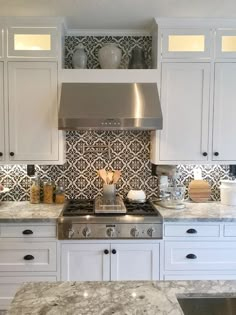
(200, 256)
(36, 256)
(9, 286)
(230, 230)
(27, 230)
(191, 230)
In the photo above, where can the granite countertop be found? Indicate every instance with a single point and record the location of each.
(117, 298)
(202, 212)
(23, 211)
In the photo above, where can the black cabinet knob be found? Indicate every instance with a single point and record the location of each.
(191, 256)
(113, 251)
(12, 153)
(28, 257)
(106, 251)
(27, 232)
(204, 153)
(216, 153)
(1, 154)
(191, 231)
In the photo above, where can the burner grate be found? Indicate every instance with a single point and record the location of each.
(145, 208)
(79, 207)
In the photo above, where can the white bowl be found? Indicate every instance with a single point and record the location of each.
(136, 195)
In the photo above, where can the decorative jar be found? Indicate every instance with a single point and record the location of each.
(79, 58)
(109, 56)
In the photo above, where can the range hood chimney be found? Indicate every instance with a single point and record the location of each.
(111, 106)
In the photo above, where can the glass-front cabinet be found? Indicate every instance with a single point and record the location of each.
(185, 43)
(32, 42)
(226, 43)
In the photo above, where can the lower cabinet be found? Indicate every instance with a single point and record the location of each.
(199, 251)
(109, 261)
(28, 253)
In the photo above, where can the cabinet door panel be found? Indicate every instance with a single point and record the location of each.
(224, 112)
(185, 106)
(1, 113)
(135, 262)
(85, 262)
(33, 111)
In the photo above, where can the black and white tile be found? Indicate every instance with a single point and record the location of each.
(94, 43)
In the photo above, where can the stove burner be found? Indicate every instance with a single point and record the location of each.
(81, 207)
(76, 207)
(145, 208)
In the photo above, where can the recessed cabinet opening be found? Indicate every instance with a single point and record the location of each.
(186, 43)
(32, 42)
(228, 43)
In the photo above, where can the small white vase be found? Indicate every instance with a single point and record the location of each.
(79, 58)
(109, 56)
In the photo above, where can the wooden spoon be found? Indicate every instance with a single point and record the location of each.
(109, 177)
(116, 176)
(103, 174)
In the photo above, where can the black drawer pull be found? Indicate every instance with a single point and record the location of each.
(12, 153)
(191, 231)
(113, 251)
(106, 251)
(28, 257)
(27, 232)
(1, 154)
(191, 256)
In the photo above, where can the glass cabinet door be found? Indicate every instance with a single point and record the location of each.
(226, 43)
(32, 42)
(182, 43)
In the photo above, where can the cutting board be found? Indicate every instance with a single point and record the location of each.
(199, 190)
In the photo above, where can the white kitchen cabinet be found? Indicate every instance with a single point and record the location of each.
(2, 134)
(135, 262)
(109, 261)
(223, 146)
(33, 125)
(85, 262)
(185, 89)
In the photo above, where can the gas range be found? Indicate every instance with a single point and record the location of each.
(81, 219)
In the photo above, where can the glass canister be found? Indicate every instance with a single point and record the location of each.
(60, 195)
(48, 188)
(35, 190)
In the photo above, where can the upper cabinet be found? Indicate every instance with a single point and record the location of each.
(32, 42)
(185, 108)
(185, 43)
(29, 92)
(33, 131)
(197, 71)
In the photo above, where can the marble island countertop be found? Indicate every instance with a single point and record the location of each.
(117, 298)
(212, 211)
(23, 211)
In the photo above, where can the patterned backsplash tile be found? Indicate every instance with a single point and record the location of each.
(129, 152)
(94, 43)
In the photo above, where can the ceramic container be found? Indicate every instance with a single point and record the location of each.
(109, 193)
(137, 60)
(109, 56)
(136, 195)
(79, 58)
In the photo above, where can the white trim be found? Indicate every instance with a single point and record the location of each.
(106, 32)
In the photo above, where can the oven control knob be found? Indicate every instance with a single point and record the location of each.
(150, 232)
(134, 232)
(86, 232)
(70, 233)
(110, 232)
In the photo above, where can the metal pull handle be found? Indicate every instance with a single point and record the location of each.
(191, 256)
(28, 257)
(12, 153)
(106, 251)
(191, 231)
(113, 251)
(27, 232)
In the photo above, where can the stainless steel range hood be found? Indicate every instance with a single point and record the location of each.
(110, 106)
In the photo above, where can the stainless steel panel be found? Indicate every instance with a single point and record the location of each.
(110, 106)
